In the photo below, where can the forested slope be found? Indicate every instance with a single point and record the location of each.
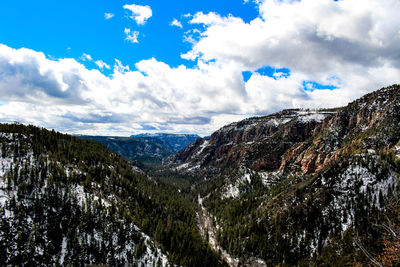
(64, 201)
(302, 187)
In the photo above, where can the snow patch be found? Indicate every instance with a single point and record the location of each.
(397, 151)
(182, 166)
(270, 178)
(202, 146)
(318, 117)
(278, 121)
(83, 196)
(232, 191)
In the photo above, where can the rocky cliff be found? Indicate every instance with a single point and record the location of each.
(256, 143)
(301, 187)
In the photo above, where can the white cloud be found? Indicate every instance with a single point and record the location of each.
(101, 64)
(86, 57)
(131, 36)
(108, 15)
(119, 67)
(176, 23)
(349, 44)
(308, 36)
(211, 18)
(139, 13)
(67, 96)
(316, 40)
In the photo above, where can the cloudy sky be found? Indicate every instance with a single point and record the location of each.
(112, 67)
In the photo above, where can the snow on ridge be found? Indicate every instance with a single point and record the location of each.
(318, 117)
(278, 121)
(270, 178)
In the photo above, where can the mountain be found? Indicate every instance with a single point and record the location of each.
(302, 187)
(135, 149)
(68, 201)
(171, 142)
(257, 143)
(295, 188)
(150, 149)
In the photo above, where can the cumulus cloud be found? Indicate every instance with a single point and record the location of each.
(317, 40)
(308, 36)
(176, 23)
(108, 15)
(131, 36)
(139, 13)
(56, 93)
(351, 45)
(29, 76)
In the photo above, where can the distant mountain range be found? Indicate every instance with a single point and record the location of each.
(170, 142)
(149, 149)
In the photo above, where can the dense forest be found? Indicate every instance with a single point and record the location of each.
(70, 201)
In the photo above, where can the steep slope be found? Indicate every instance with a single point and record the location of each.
(256, 143)
(301, 187)
(69, 201)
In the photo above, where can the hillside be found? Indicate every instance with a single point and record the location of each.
(300, 186)
(65, 201)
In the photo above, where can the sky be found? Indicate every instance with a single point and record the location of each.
(111, 67)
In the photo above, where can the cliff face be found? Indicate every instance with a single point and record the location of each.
(256, 143)
(301, 184)
(368, 124)
(296, 140)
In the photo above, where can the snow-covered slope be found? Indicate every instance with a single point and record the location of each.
(52, 213)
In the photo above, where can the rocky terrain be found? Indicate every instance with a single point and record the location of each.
(298, 185)
(257, 143)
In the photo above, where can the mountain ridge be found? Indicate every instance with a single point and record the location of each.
(310, 176)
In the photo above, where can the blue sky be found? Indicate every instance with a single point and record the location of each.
(70, 28)
(124, 67)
